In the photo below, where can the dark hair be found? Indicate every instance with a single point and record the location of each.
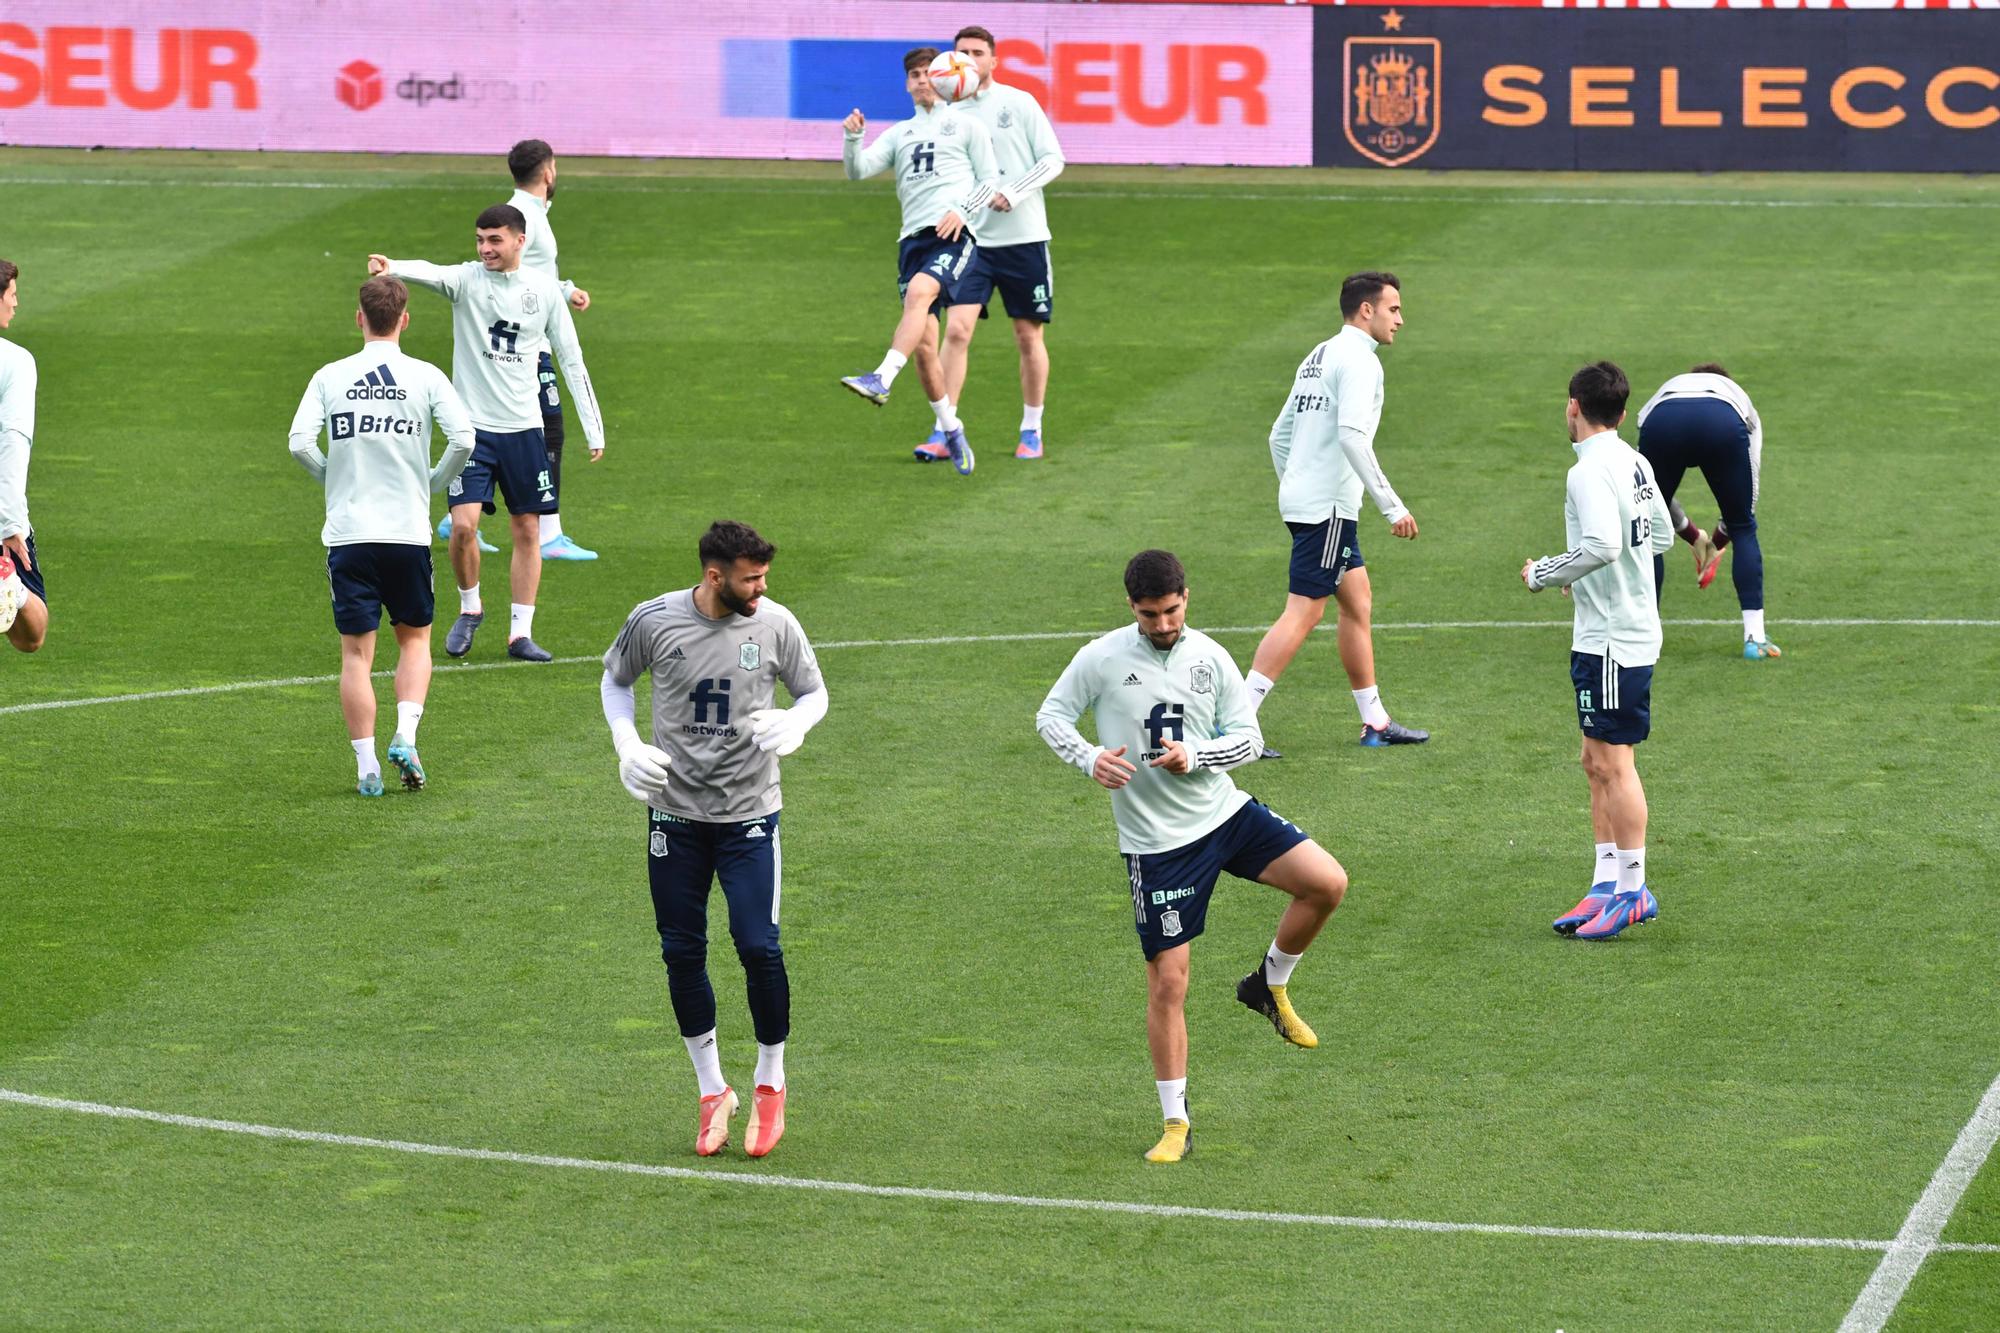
(1710, 368)
(527, 158)
(1600, 390)
(978, 32)
(501, 215)
(7, 275)
(1358, 287)
(1154, 574)
(920, 58)
(383, 300)
(726, 542)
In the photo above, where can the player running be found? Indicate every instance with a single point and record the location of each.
(503, 317)
(944, 178)
(1616, 524)
(1013, 238)
(376, 408)
(24, 594)
(710, 780)
(1703, 419)
(1174, 700)
(1323, 444)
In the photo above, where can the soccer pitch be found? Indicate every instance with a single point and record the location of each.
(1720, 1121)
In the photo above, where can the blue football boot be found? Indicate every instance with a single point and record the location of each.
(1624, 909)
(869, 386)
(933, 449)
(1595, 901)
(961, 451)
(1030, 445)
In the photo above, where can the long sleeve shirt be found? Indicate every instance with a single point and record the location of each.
(1142, 698)
(377, 408)
(500, 322)
(539, 253)
(17, 435)
(1323, 442)
(944, 164)
(1616, 523)
(1028, 157)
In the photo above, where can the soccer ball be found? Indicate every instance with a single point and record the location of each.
(954, 76)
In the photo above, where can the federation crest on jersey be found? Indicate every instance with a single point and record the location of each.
(530, 303)
(1201, 678)
(658, 844)
(749, 656)
(1006, 121)
(1170, 923)
(949, 127)
(1390, 110)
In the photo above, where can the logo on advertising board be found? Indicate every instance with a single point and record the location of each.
(358, 85)
(1390, 110)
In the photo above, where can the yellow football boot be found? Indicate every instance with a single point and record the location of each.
(1176, 1142)
(1271, 1002)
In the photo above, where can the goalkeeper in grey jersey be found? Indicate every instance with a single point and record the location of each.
(1173, 695)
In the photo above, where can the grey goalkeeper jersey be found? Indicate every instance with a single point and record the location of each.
(708, 677)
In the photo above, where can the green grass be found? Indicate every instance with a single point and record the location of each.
(202, 919)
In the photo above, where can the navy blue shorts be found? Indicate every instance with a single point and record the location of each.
(1321, 553)
(951, 263)
(1614, 704)
(518, 460)
(1170, 890)
(684, 857)
(31, 579)
(545, 376)
(1706, 434)
(368, 577)
(1022, 274)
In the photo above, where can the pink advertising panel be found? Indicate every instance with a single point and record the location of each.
(1157, 83)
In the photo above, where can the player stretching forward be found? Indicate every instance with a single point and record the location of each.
(24, 596)
(1014, 239)
(503, 316)
(377, 407)
(710, 780)
(1176, 698)
(944, 177)
(1616, 524)
(1323, 444)
(1704, 419)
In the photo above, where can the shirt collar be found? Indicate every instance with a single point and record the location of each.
(1347, 329)
(1590, 441)
(522, 196)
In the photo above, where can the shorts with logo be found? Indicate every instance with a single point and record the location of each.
(31, 579)
(1023, 275)
(1613, 703)
(518, 460)
(1321, 553)
(684, 857)
(1170, 890)
(951, 263)
(367, 577)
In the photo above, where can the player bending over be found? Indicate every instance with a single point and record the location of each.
(376, 408)
(1174, 700)
(944, 178)
(1616, 523)
(24, 593)
(710, 782)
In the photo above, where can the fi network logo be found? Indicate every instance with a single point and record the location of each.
(358, 85)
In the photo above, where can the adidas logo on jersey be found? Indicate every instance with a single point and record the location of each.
(1132, 679)
(677, 656)
(377, 383)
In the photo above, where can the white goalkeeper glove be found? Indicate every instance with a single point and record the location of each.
(643, 770)
(776, 731)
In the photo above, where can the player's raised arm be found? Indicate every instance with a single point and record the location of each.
(307, 423)
(448, 411)
(861, 163)
(444, 279)
(569, 355)
(1360, 416)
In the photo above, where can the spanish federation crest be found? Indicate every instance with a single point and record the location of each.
(659, 842)
(748, 656)
(1390, 111)
(529, 303)
(1170, 923)
(1006, 121)
(948, 127)
(1202, 678)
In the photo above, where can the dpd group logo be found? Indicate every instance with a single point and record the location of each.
(358, 85)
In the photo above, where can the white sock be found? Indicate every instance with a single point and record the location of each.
(520, 621)
(891, 366)
(771, 1066)
(1173, 1098)
(1031, 417)
(1278, 965)
(1753, 624)
(1369, 701)
(365, 761)
(1631, 869)
(1604, 864)
(707, 1057)
(947, 419)
(468, 601)
(1260, 685)
(551, 527)
(407, 716)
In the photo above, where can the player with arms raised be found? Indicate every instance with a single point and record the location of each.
(1174, 700)
(24, 595)
(944, 167)
(710, 781)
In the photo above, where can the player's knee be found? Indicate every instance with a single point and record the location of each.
(684, 952)
(29, 639)
(1167, 988)
(1333, 884)
(1310, 612)
(761, 956)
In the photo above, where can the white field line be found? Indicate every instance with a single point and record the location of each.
(1918, 1239)
(935, 641)
(728, 185)
(948, 1196)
